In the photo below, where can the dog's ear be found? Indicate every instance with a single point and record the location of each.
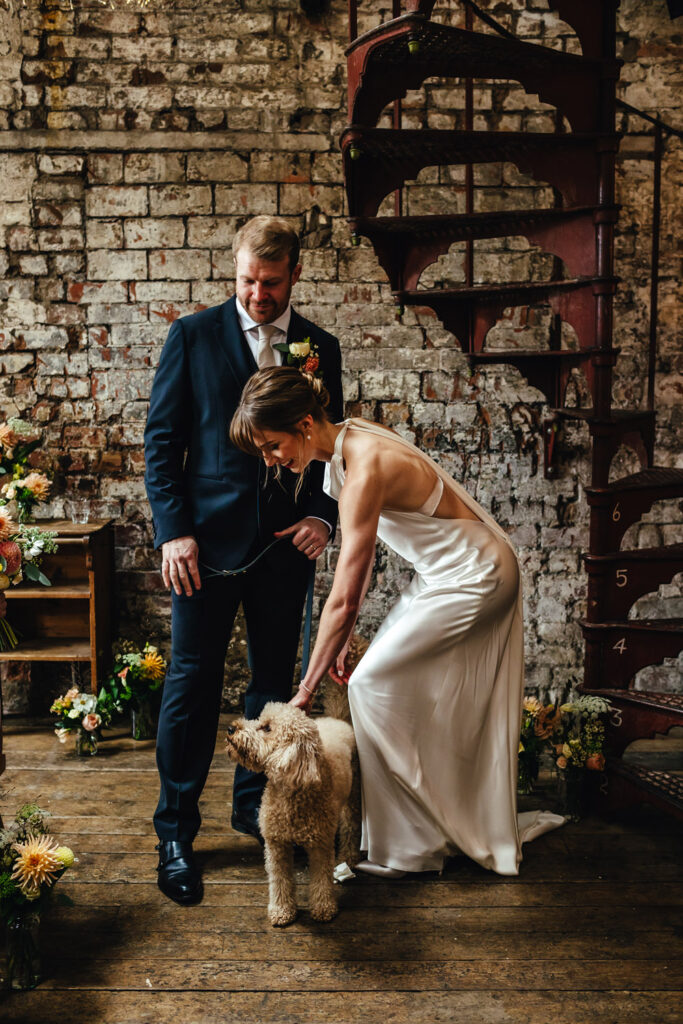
(297, 763)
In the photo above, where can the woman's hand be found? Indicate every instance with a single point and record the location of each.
(339, 671)
(302, 699)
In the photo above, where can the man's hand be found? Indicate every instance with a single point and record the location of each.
(309, 535)
(179, 565)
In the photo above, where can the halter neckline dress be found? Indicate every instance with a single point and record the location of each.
(436, 701)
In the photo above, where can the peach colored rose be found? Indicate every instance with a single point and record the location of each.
(8, 439)
(91, 722)
(561, 762)
(595, 762)
(124, 672)
(311, 364)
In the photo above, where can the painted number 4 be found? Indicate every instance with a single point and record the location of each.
(620, 645)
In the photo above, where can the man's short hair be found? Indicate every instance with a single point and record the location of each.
(268, 238)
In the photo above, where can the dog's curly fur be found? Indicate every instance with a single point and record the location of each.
(307, 763)
(335, 704)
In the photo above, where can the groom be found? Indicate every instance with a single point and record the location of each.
(215, 509)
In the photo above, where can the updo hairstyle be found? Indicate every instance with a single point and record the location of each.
(277, 398)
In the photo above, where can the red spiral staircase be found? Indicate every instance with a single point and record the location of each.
(399, 55)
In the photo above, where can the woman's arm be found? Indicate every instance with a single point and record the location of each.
(359, 507)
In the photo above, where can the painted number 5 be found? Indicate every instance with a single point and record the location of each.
(622, 577)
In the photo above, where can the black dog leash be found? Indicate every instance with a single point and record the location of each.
(308, 620)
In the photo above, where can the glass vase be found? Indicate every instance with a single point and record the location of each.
(527, 772)
(143, 725)
(86, 743)
(23, 956)
(571, 786)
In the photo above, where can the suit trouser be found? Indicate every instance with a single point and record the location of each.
(272, 597)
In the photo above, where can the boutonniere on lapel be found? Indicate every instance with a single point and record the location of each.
(302, 354)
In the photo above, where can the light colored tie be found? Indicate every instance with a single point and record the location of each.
(266, 353)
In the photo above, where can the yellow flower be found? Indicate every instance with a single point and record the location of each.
(37, 864)
(38, 484)
(566, 750)
(520, 748)
(65, 855)
(4, 581)
(532, 705)
(153, 665)
(7, 525)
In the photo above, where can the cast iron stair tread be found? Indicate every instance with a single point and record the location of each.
(381, 67)
(666, 786)
(635, 626)
(501, 290)
(405, 246)
(659, 478)
(614, 417)
(671, 552)
(378, 161)
(662, 701)
(465, 225)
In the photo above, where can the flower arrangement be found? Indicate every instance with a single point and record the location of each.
(574, 734)
(135, 680)
(302, 354)
(579, 736)
(538, 724)
(21, 550)
(25, 490)
(30, 864)
(83, 715)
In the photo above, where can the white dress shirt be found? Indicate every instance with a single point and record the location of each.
(250, 329)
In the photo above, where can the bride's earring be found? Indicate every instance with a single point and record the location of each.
(308, 437)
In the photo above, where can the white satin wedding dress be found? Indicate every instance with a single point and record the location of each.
(436, 701)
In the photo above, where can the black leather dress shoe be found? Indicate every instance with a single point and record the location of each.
(246, 822)
(179, 877)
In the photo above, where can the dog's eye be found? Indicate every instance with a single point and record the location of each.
(264, 728)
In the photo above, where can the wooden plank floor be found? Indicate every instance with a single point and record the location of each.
(589, 932)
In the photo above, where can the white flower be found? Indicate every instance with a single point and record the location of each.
(61, 734)
(74, 713)
(300, 349)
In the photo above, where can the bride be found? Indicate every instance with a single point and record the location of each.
(436, 701)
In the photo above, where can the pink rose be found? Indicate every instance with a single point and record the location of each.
(595, 762)
(561, 762)
(90, 722)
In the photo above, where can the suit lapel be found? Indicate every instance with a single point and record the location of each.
(234, 345)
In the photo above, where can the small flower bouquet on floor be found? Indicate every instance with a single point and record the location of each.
(81, 715)
(578, 740)
(24, 490)
(135, 681)
(30, 863)
(21, 550)
(538, 723)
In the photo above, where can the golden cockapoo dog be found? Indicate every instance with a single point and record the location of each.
(307, 763)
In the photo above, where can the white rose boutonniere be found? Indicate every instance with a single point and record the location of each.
(302, 354)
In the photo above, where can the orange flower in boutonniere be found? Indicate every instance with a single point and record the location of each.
(302, 354)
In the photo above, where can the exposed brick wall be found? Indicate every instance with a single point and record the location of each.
(135, 142)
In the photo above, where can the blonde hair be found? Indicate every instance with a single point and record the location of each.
(268, 238)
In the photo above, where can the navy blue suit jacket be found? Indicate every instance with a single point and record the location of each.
(197, 482)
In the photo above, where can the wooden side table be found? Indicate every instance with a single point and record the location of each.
(71, 620)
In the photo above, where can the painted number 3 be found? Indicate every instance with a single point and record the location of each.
(620, 645)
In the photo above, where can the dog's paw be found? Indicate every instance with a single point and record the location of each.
(324, 911)
(280, 917)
